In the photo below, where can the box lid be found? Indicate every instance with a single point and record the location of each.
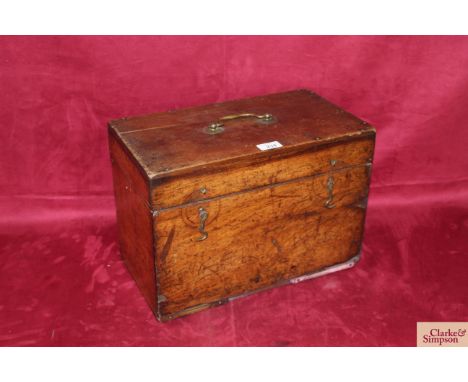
(216, 135)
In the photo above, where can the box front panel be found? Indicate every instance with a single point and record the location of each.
(227, 246)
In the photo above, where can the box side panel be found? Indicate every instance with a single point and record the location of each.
(259, 238)
(206, 185)
(135, 223)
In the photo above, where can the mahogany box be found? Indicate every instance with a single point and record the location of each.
(220, 201)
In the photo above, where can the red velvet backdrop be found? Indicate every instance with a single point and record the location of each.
(62, 281)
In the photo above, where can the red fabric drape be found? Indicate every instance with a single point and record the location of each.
(61, 279)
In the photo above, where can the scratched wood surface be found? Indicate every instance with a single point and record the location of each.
(258, 238)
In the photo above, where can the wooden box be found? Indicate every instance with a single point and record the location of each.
(219, 201)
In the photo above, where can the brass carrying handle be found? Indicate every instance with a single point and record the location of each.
(217, 127)
(265, 117)
(203, 215)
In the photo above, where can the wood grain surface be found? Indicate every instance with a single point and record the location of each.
(258, 238)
